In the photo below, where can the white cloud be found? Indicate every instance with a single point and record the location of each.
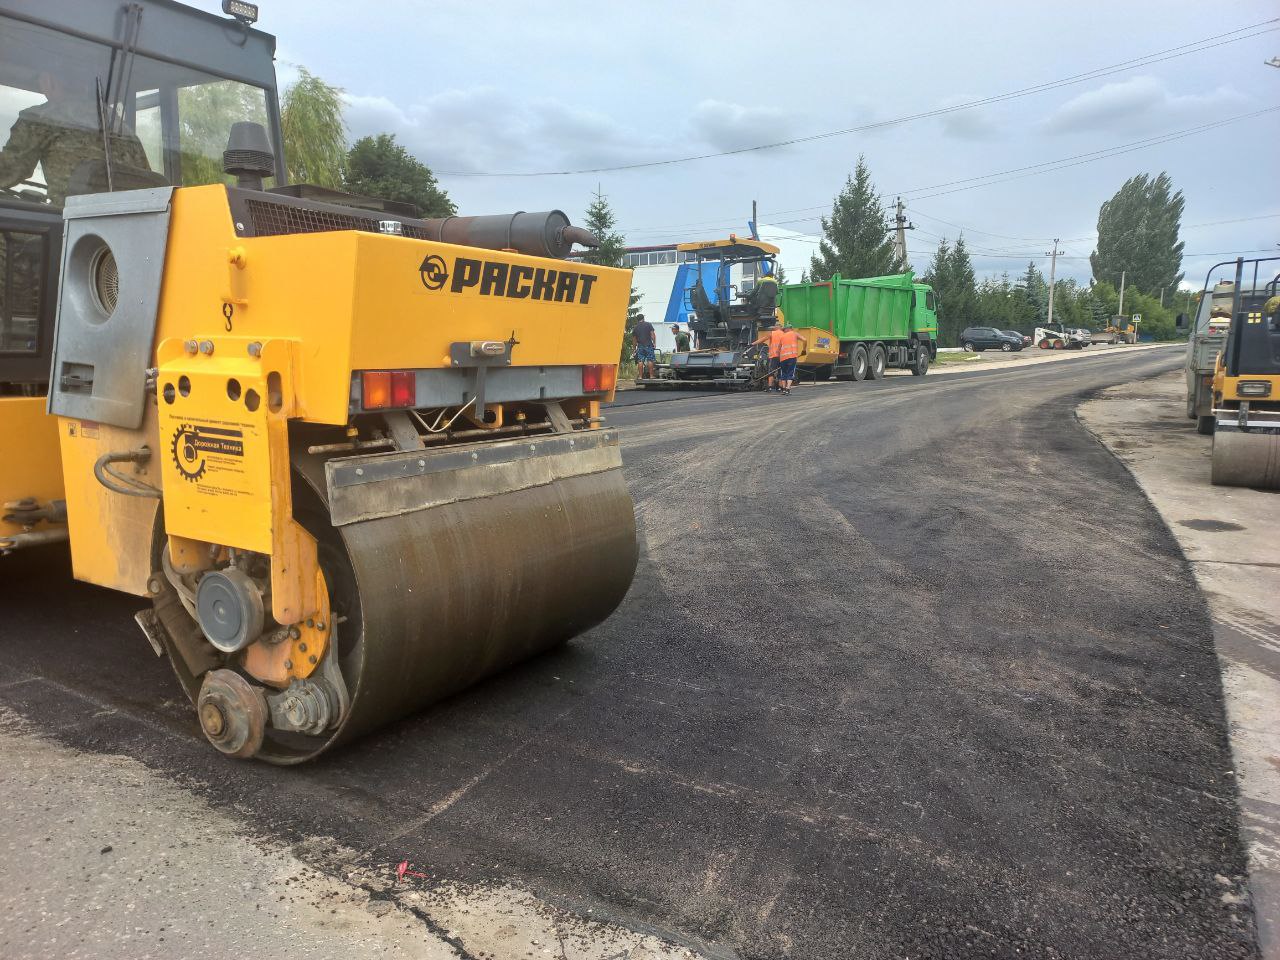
(1140, 105)
(487, 129)
(732, 126)
(972, 124)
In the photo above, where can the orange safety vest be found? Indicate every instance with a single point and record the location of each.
(789, 345)
(775, 342)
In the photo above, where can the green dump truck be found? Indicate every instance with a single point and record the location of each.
(878, 322)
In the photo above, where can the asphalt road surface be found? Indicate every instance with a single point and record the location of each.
(909, 669)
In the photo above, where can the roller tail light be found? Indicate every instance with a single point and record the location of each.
(388, 389)
(599, 377)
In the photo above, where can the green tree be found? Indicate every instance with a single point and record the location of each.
(1035, 293)
(998, 303)
(600, 220)
(855, 238)
(1138, 234)
(950, 274)
(380, 167)
(315, 135)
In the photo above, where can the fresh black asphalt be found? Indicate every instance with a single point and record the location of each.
(909, 669)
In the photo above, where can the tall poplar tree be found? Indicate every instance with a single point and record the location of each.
(855, 238)
(1138, 234)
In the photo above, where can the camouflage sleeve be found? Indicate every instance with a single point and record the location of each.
(127, 149)
(21, 153)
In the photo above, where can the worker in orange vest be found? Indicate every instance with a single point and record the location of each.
(775, 345)
(789, 346)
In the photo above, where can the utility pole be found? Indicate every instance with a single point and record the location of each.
(900, 227)
(1053, 269)
(1120, 309)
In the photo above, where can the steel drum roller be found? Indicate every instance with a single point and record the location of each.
(1246, 459)
(455, 591)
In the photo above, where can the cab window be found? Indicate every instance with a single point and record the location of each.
(64, 119)
(22, 260)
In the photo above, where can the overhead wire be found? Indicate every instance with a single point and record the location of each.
(1036, 169)
(1182, 50)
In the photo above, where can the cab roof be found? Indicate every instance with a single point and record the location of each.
(731, 249)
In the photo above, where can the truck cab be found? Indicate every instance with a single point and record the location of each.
(924, 312)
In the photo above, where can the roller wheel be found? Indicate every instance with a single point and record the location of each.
(876, 363)
(1205, 425)
(860, 363)
(232, 712)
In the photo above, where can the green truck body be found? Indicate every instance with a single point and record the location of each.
(880, 321)
(875, 308)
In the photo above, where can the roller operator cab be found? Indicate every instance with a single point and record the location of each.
(354, 458)
(1246, 381)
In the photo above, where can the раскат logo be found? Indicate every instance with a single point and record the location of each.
(515, 281)
(433, 272)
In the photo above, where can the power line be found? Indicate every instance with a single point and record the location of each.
(1186, 49)
(1017, 173)
(1051, 166)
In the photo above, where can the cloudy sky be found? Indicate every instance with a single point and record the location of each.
(508, 88)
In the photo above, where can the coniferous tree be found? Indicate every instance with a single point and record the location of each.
(855, 238)
(1035, 292)
(600, 220)
(1138, 234)
(950, 274)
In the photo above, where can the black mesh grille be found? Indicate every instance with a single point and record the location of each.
(274, 219)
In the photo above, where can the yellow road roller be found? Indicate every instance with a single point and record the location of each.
(354, 458)
(1246, 382)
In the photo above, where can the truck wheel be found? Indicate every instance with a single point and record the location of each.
(876, 363)
(1204, 425)
(921, 366)
(859, 358)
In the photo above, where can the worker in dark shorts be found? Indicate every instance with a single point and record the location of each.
(789, 347)
(643, 336)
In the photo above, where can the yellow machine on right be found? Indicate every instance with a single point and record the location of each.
(1246, 384)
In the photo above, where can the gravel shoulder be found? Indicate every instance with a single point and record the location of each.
(1231, 538)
